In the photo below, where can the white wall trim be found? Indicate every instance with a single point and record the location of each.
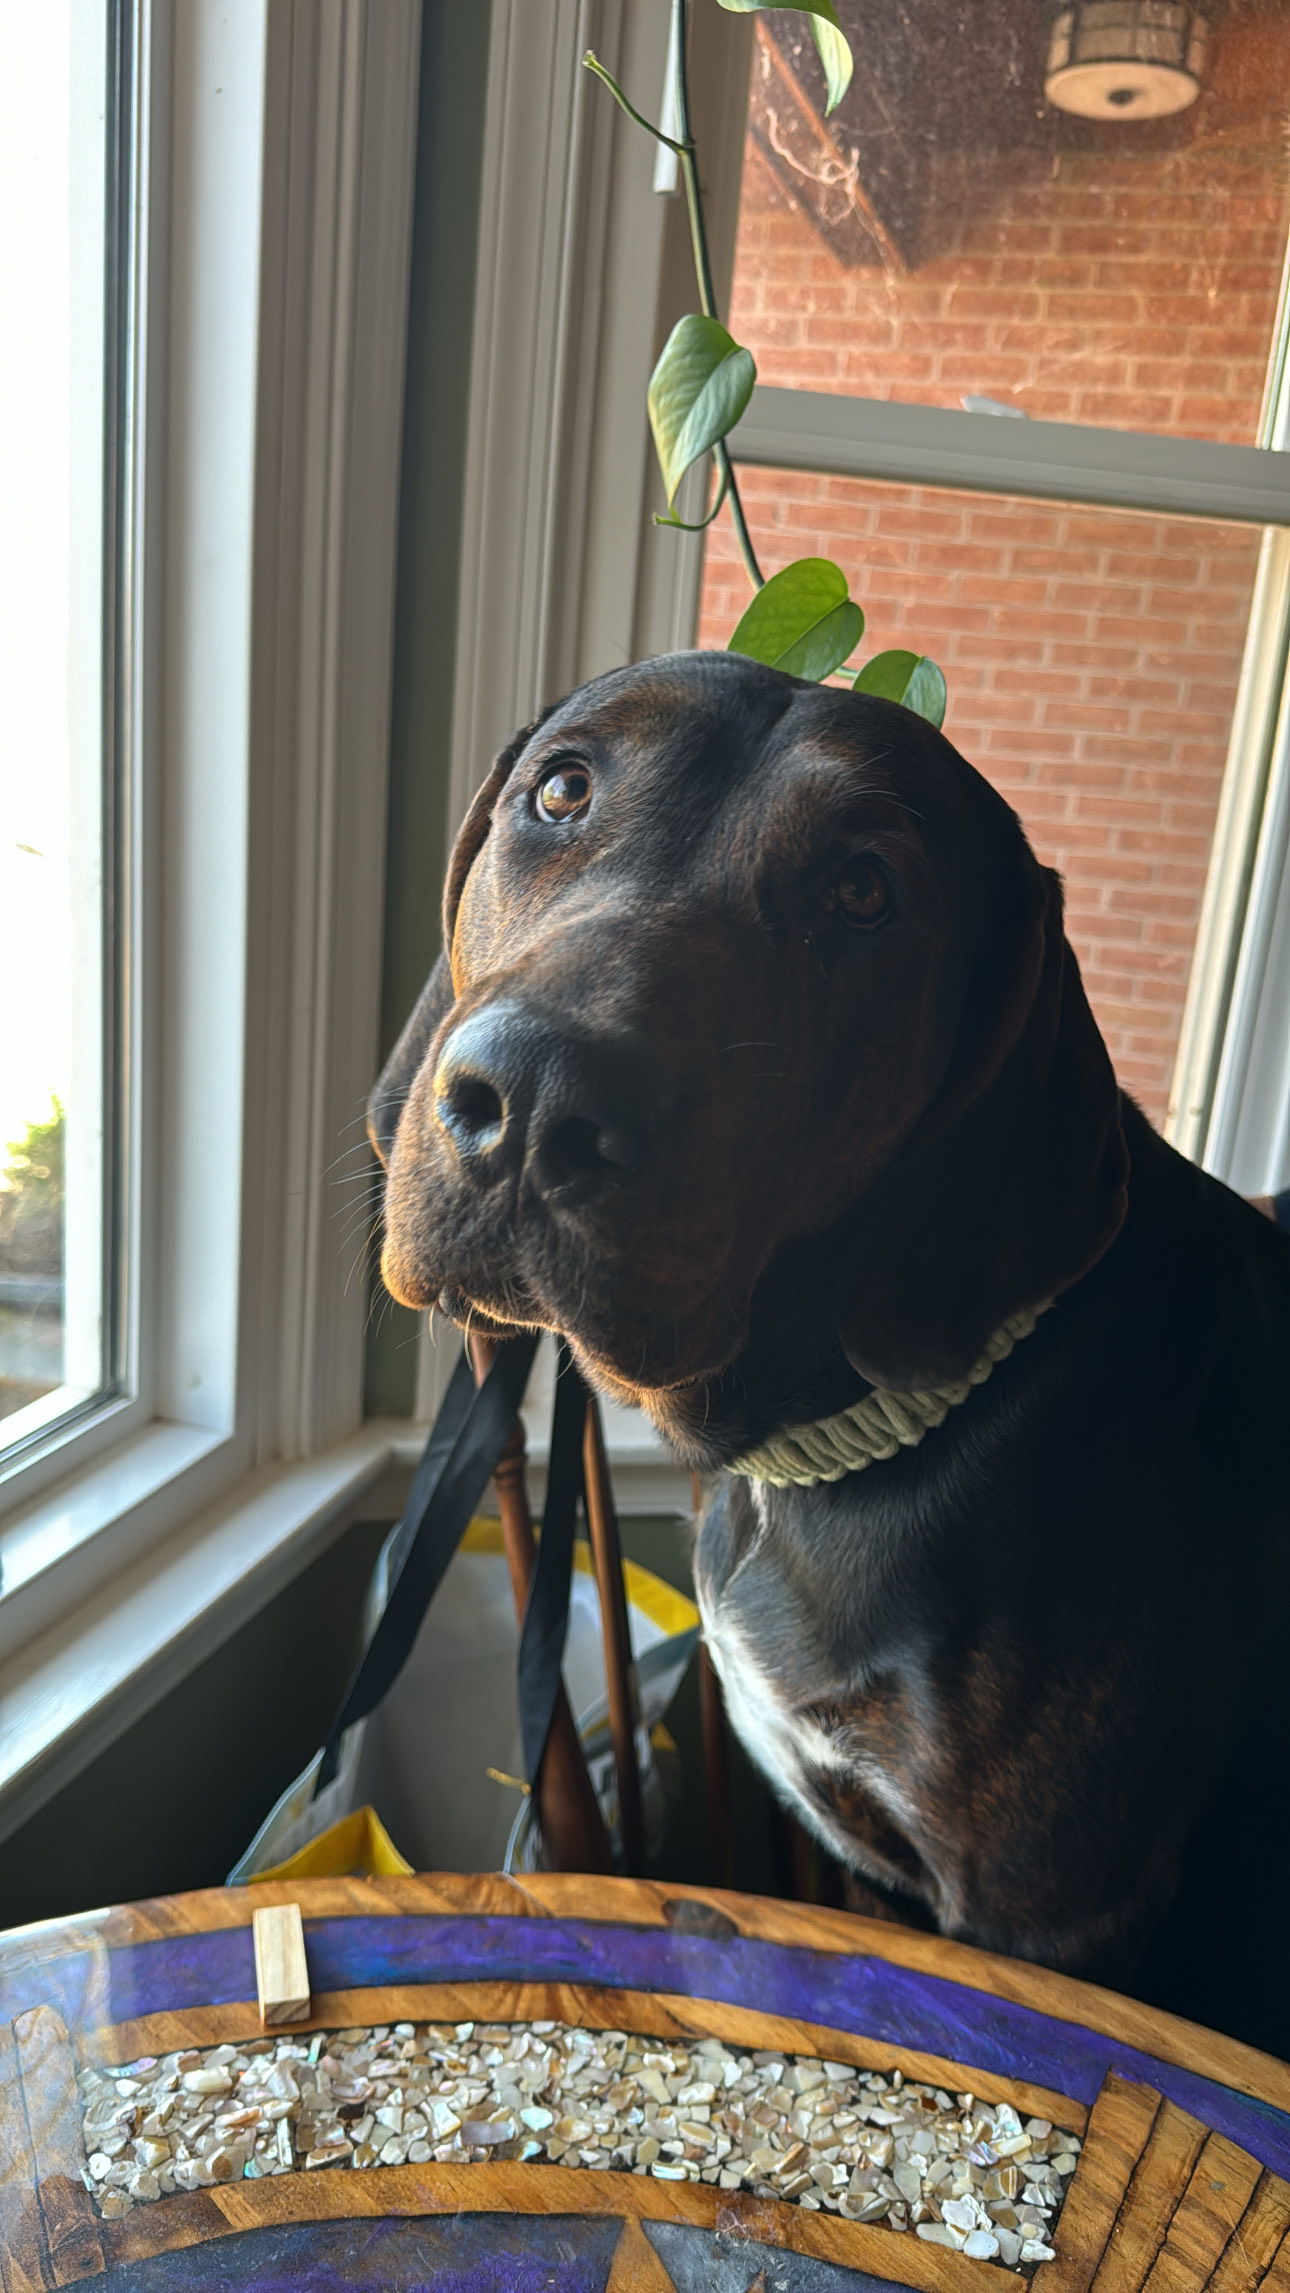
(342, 83)
(1230, 1102)
(533, 214)
(1246, 1139)
(1208, 1014)
(583, 269)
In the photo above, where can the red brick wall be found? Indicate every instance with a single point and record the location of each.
(1092, 657)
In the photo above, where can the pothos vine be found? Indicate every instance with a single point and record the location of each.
(803, 619)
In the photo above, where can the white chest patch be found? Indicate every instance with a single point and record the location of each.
(789, 1746)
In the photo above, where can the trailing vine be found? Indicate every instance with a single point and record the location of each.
(803, 619)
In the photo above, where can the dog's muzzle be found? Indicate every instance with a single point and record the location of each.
(519, 1098)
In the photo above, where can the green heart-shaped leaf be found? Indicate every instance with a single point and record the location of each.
(823, 8)
(835, 55)
(801, 621)
(697, 392)
(829, 37)
(909, 678)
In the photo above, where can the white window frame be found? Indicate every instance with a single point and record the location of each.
(271, 221)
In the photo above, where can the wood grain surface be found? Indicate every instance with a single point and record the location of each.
(513, 2189)
(1160, 2177)
(22, 2231)
(637, 2268)
(51, 2105)
(1119, 2128)
(1222, 2183)
(1257, 2238)
(644, 1902)
(1161, 2202)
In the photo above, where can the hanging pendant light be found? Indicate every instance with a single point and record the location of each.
(1126, 59)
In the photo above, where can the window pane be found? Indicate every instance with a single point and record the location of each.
(951, 235)
(1092, 660)
(53, 101)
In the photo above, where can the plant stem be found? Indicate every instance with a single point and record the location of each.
(686, 154)
(592, 63)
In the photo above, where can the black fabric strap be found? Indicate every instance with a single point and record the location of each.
(468, 1437)
(546, 1614)
(454, 1410)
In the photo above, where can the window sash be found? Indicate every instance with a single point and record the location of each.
(258, 497)
(1041, 461)
(98, 95)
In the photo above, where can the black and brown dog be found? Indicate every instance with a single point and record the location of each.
(759, 1065)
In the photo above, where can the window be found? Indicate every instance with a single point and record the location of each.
(1093, 659)
(950, 236)
(59, 1226)
(951, 248)
(196, 636)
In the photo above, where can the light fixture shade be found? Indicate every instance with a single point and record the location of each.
(1126, 59)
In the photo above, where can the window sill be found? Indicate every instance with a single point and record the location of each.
(63, 1545)
(69, 1691)
(79, 1679)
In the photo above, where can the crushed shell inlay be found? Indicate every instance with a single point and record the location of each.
(870, 2146)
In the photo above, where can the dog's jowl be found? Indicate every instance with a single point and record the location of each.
(757, 1063)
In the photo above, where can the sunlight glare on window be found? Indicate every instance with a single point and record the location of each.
(53, 93)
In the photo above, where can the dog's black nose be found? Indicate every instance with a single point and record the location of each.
(513, 1092)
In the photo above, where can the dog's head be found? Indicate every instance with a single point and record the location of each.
(737, 967)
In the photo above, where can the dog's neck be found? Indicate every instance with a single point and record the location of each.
(791, 1370)
(876, 1428)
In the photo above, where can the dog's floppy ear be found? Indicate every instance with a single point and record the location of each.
(1012, 1185)
(404, 1063)
(478, 821)
(438, 995)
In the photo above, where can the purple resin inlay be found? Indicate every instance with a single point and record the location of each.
(869, 1996)
(464, 2253)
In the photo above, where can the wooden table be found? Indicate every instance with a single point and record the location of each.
(1184, 2178)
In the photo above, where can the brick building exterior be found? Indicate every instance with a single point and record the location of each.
(1092, 656)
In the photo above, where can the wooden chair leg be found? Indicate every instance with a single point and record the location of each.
(620, 1670)
(573, 1829)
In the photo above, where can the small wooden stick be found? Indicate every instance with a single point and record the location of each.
(620, 1671)
(281, 1968)
(573, 1828)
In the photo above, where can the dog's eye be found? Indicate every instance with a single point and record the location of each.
(862, 895)
(564, 794)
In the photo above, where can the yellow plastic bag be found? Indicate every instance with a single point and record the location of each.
(356, 1847)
